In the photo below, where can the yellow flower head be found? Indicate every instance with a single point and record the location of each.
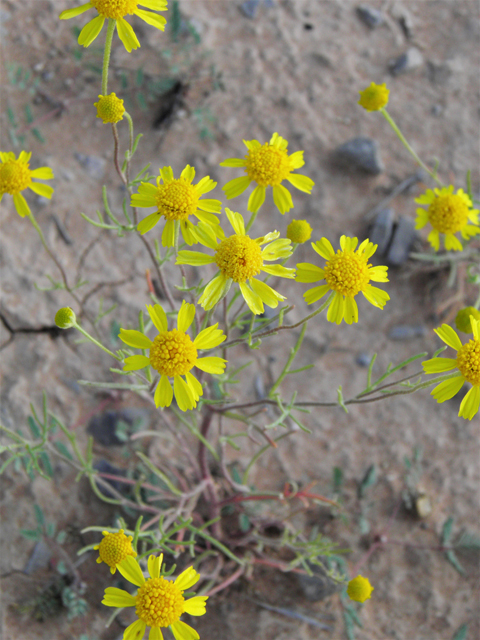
(462, 319)
(65, 318)
(239, 259)
(299, 231)
(176, 200)
(359, 589)
(159, 602)
(173, 354)
(447, 213)
(15, 177)
(110, 108)
(114, 548)
(467, 364)
(117, 10)
(347, 273)
(374, 97)
(268, 165)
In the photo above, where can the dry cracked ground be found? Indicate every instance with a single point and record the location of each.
(241, 71)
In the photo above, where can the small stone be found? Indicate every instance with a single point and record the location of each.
(103, 466)
(39, 558)
(371, 17)
(381, 230)
(403, 238)
(48, 75)
(437, 110)
(423, 506)
(93, 165)
(438, 73)
(319, 586)
(249, 8)
(363, 359)
(407, 331)
(404, 18)
(360, 154)
(408, 61)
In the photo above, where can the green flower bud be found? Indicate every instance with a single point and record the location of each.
(65, 318)
(462, 320)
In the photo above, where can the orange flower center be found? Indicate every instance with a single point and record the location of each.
(239, 258)
(159, 602)
(448, 213)
(468, 361)
(347, 273)
(15, 176)
(173, 353)
(114, 8)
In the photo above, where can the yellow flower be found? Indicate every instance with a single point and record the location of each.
(117, 10)
(110, 108)
(65, 318)
(467, 363)
(268, 165)
(239, 258)
(462, 319)
(374, 97)
(299, 231)
(114, 548)
(448, 213)
(347, 273)
(173, 354)
(177, 200)
(15, 176)
(359, 589)
(159, 602)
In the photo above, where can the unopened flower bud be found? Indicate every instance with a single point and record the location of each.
(65, 318)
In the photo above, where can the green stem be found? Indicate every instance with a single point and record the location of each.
(106, 54)
(251, 221)
(95, 342)
(403, 140)
(291, 358)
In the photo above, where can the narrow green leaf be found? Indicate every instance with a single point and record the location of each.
(447, 531)
(142, 103)
(46, 464)
(34, 428)
(38, 135)
(39, 515)
(63, 449)
(31, 534)
(369, 479)
(452, 558)
(337, 480)
(461, 633)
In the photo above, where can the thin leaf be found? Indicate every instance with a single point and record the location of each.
(452, 558)
(461, 633)
(447, 531)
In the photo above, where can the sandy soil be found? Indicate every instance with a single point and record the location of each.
(296, 69)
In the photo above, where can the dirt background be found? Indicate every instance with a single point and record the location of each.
(296, 69)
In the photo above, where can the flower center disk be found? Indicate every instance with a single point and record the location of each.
(267, 165)
(239, 258)
(115, 8)
(114, 548)
(468, 361)
(15, 176)
(347, 274)
(173, 353)
(159, 602)
(448, 213)
(176, 200)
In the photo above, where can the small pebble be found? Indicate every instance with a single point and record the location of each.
(381, 230)
(363, 359)
(93, 165)
(249, 8)
(103, 466)
(407, 331)
(360, 154)
(408, 61)
(437, 110)
(371, 17)
(39, 558)
(319, 586)
(403, 238)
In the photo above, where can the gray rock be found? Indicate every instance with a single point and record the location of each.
(403, 238)
(438, 72)
(360, 154)
(319, 586)
(39, 558)
(407, 331)
(371, 17)
(381, 230)
(363, 359)
(93, 165)
(436, 110)
(408, 61)
(249, 8)
(113, 428)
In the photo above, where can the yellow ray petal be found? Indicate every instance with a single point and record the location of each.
(130, 570)
(449, 336)
(135, 339)
(127, 35)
